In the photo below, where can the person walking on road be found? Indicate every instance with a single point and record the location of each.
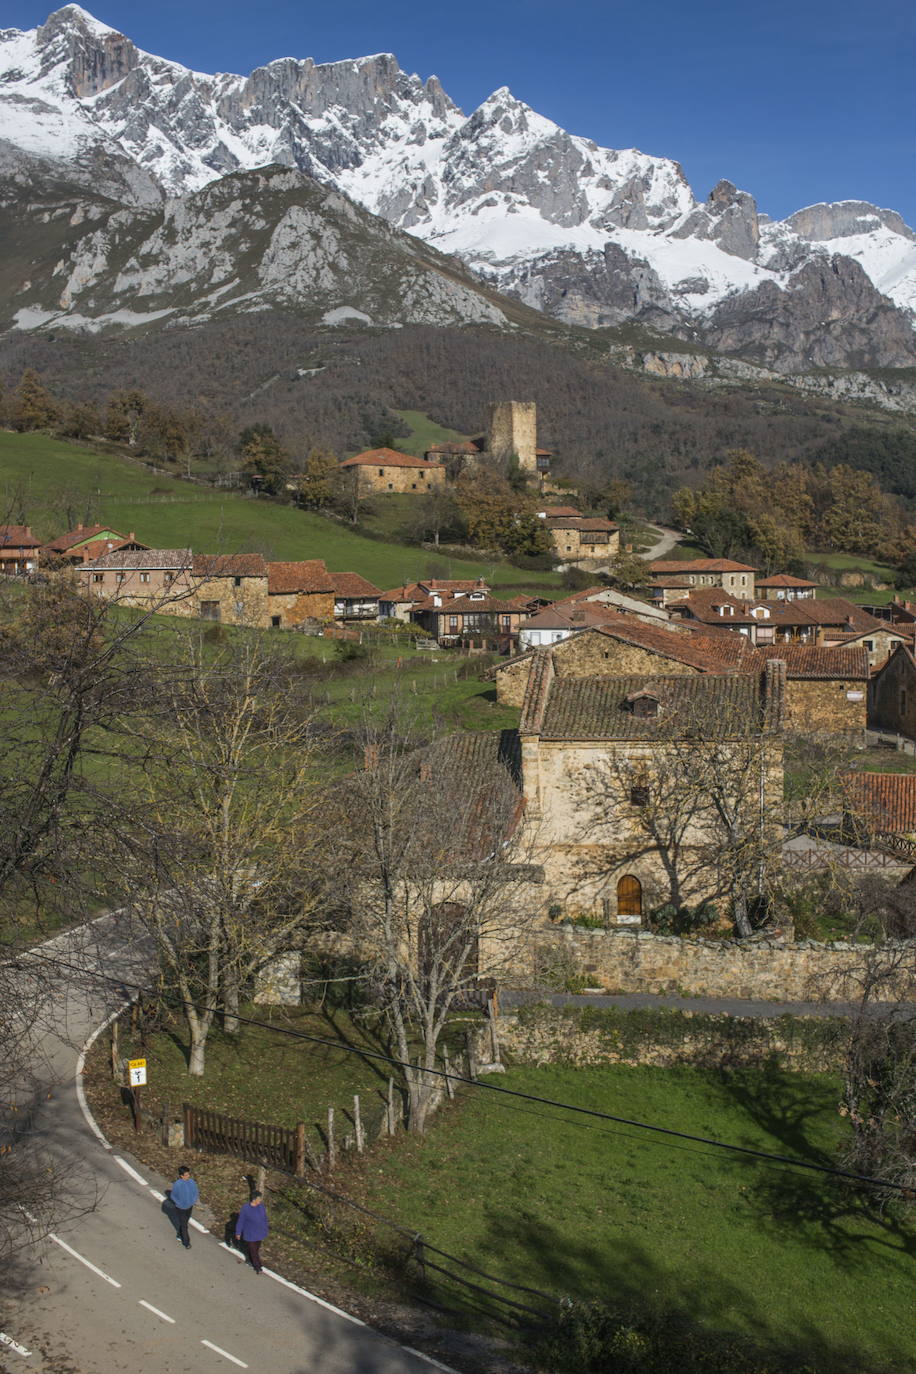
(251, 1228)
(184, 1193)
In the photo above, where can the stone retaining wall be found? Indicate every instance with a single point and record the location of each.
(635, 961)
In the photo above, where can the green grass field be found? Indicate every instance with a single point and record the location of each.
(424, 432)
(49, 483)
(597, 1211)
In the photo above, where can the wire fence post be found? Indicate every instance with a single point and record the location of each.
(332, 1152)
(357, 1124)
(493, 1015)
(449, 1085)
(472, 1054)
(389, 1107)
(188, 1123)
(300, 1148)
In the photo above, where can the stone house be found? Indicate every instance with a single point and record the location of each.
(782, 587)
(384, 470)
(149, 578)
(826, 689)
(737, 578)
(231, 587)
(85, 543)
(19, 550)
(879, 642)
(404, 603)
(299, 592)
(579, 539)
(354, 597)
(597, 756)
(892, 694)
(475, 619)
(610, 596)
(621, 648)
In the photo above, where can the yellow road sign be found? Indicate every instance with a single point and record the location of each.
(137, 1072)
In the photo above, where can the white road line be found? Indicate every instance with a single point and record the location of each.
(82, 1259)
(436, 1364)
(155, 1310)
(14, 1345)
(80, 1066)
(198, 1226)
(312, 1297)
(154, 1192)
(225, 1354)
(128, 1170)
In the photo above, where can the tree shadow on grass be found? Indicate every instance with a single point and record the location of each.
(369, 1038)
(650, 1319)
(820, 1211)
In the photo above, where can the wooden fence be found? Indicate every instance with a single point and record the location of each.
(277, 1147)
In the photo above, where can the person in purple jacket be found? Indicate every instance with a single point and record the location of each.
(251, 1228)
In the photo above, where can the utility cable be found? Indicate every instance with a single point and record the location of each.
(591, 1112)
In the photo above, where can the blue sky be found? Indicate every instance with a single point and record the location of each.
(795, 102)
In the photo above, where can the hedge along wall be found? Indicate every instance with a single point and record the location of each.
(767, 970)
(585, 1036)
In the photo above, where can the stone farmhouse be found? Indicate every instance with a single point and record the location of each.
(19, 550)
(826, 689)
(233, 589)
(385, 470)
(725, 573)
(782, 587)
(630, 731)
(583, 541)
(475, 619)
(623, 646)
(892, 694)
(405, 603)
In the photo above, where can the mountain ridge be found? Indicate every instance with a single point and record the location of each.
(589, 235)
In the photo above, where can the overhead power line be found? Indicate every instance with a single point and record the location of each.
(590, 1112)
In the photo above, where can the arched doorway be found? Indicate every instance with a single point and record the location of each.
(629, 896)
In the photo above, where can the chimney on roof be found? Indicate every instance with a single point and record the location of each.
(774, 693)
(480, 582)
(79, 527)
(131, 538)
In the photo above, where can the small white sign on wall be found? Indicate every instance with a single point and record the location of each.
(623, 920)
(855, 696)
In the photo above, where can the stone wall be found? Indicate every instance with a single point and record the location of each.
(586, 655)
(893, 697)
(827, 706)
(296, 608)
(242, 604)
(512, 428)
(635, 961)
(414, 481)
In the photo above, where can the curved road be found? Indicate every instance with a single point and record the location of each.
(112, 1292)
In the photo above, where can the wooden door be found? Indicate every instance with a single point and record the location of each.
(629, 896)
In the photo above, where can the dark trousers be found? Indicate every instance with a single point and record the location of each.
(184, 1214)
(253, 1250)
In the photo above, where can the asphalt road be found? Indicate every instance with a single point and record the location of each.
(111, 1291)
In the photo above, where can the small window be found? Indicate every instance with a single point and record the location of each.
(381, 472)
(275, 621)
(453, 622)
(98, 577)
(413, 486)
(391, 486)
(870, 645)
(144, 577)
(236, 581)
(209, 610)
(119, 577)
(639, 795)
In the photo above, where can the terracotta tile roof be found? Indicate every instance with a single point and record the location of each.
(83, 534)
(882, 801)
(581, 522)
(836, 610)
(387, 458)
(597, 708)
(673, 583)
(229, 565)
(554, 511)
(575, 616)
(698, 565)
(351, 586)
(703, 602)
(455, 446)
(309, 575)
(18, 536)
(815, 662)
(141, 560)
(784, 580)
(487, 605)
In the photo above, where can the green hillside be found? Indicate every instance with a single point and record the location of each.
(52, 485)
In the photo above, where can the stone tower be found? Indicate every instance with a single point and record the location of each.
(512, 428)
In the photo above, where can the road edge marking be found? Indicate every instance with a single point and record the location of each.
(14, 1345)
(129, 1169)
(80, 1069)
(225, 1354)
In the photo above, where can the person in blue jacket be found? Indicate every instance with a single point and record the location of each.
(184, 1193)
(251, 1228)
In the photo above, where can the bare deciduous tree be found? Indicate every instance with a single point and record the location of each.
(436, 873)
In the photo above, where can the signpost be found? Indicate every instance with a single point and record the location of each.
(136, 1072)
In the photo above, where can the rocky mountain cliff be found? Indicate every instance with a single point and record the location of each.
(592, 236)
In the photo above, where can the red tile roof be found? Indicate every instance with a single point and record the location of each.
(697, 565)
(18, 536)
(229, 565)
(83, 534)
(816, 662)
(463, 605)
(353, 587)
(883, 801)
(387, 458)
(309, 575)
(702, 604)
(554, 511)
(784, 580)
